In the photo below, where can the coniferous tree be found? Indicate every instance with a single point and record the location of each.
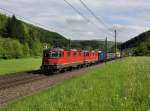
(15, 29)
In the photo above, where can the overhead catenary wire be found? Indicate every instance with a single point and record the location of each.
(24, 18)
(76, 10)
(97, 18)
(41, 25)
(35, 23)
(30, 21)
(93, 14)
(88, 20)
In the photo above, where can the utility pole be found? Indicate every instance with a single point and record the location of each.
(106, 45)
(115, 42)
(106, 48)
(69, 43)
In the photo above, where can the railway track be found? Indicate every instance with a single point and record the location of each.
(11, 81)
(19, 80)
(16, 80)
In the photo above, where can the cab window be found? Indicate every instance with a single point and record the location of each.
(57, 54)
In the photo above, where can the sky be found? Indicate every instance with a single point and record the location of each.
(128, 17)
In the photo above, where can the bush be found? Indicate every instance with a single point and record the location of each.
(1, 48)
(36, 48)
(142, 50)
(17, 49)
(10, 48)
(26, 50)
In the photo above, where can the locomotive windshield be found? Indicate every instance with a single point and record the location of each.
(53, 54)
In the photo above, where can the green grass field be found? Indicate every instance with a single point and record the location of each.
(19, 65)
(121, 86)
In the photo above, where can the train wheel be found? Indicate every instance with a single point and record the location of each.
(63, 70)
(70, 68)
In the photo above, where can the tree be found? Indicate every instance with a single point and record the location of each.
(1, 48)
(141, 50)
(17, 49)
(15, 29)
(36, 48)
(26, 50)
(10, 48)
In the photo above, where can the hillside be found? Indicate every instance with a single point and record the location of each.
(30, 32)
(28, 39)
(139, 45)
(92, 44)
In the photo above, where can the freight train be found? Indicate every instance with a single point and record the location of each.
(56, 60)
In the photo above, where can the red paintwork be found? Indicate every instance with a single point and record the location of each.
(65, 59)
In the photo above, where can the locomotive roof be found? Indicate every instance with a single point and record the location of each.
(61, 49)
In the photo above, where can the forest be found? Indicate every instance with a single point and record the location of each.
(19, 39)
(139, 45)
(94, 45)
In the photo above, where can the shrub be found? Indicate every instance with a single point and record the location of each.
(26, 50)
(10, 48)
(36, 48)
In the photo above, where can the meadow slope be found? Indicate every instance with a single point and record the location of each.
(19, 65)
(121, 86)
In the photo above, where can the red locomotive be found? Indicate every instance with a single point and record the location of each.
(55, 60)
